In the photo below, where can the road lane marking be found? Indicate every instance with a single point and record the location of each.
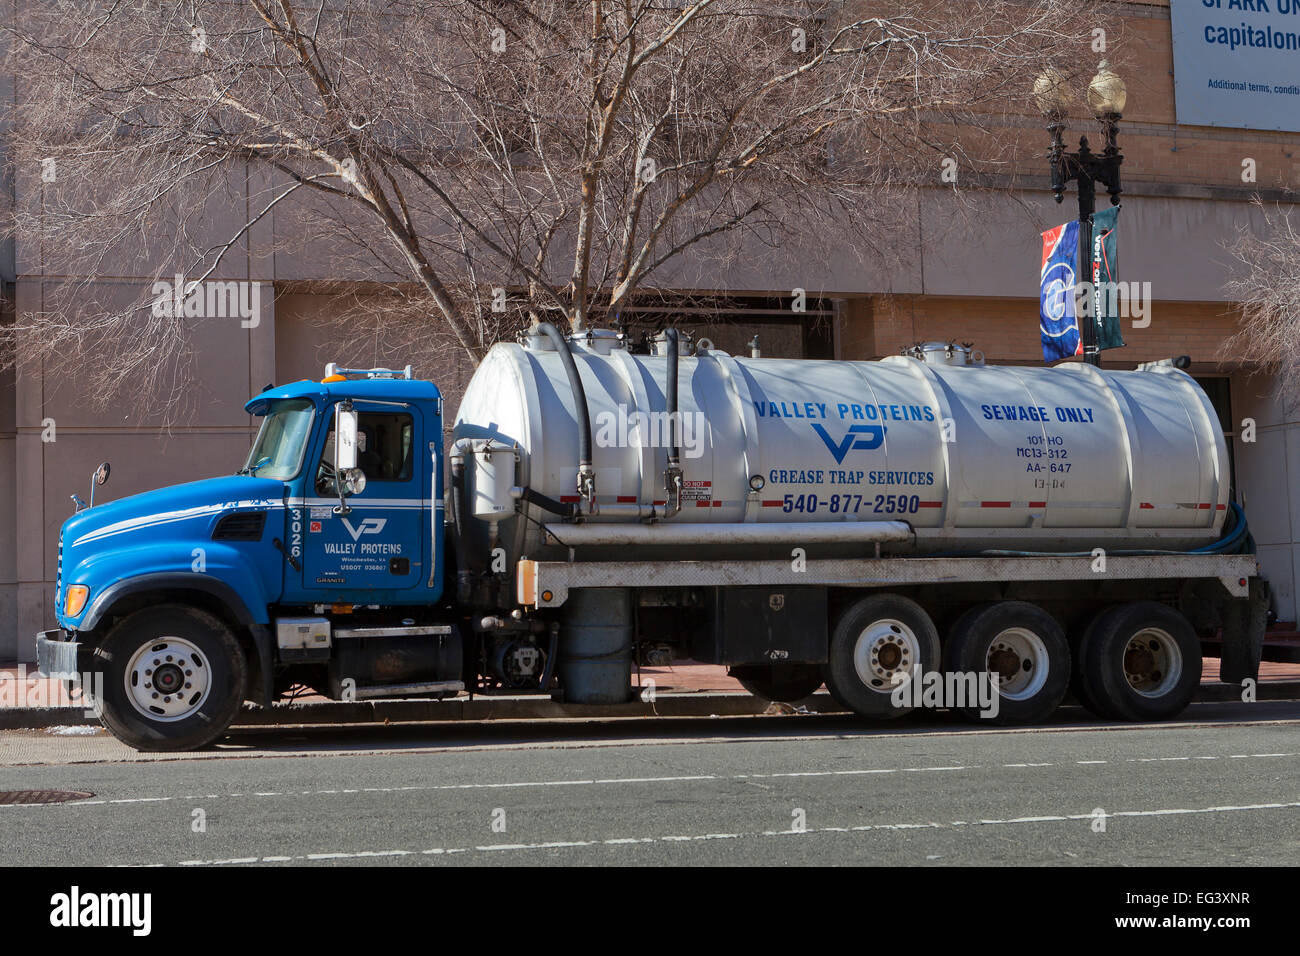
(236, 749)
(1172, 811)
(612, 781)
(706, 837)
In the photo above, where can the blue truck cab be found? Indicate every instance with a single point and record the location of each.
(191, 598)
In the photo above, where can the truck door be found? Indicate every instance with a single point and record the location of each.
(382, 542)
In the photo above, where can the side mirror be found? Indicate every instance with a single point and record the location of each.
(348, 478)
(345, 438)
(352, 481)
(97, 477)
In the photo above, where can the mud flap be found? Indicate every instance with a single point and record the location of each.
(1244, 622)
(261, 689)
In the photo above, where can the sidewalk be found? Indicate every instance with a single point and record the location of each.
(687, 677)
(1268, 671)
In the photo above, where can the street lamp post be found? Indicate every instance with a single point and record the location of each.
(1107, 97)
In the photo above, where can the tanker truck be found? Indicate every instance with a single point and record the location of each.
(603, 504)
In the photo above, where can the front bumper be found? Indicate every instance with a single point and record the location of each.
(56, 655)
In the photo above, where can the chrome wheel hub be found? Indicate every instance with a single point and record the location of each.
(1017, 659)
(167, 679)
(885, 650)
(1153, 663)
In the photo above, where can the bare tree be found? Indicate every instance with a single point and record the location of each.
(484, 162)
(1267, 287)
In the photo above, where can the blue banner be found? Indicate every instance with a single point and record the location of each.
(1057, 320)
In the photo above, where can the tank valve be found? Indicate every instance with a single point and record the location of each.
(673, 487)
(587, 488)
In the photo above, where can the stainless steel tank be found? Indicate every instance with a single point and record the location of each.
(973, 457)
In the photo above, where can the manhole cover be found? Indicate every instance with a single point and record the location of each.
(42, 796)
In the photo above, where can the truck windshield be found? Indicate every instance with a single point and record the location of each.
(282, 440)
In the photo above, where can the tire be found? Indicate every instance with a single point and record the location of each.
(785, 683)
(1081, 686)
(875, 641)
(1142, 662)
(136, 708)
(1024, 647)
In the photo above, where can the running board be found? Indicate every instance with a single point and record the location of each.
(409, 690)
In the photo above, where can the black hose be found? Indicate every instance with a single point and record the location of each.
(546, 503)
(575, 383)
(674, 347)
(459, 519)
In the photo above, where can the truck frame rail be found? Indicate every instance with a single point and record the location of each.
(544, 584)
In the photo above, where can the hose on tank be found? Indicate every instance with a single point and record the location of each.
(1236, 540)
(586, 474)
(673, 473)
(459, 519)
(673, 340)
(564, 509)
(1233, 539)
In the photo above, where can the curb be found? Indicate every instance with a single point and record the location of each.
(456, 710)
(703, 704)
(459, 710)
(38, 718)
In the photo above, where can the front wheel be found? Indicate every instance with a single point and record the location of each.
(173, 678)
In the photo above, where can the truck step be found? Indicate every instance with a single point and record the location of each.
(417, 630)
(372, 691)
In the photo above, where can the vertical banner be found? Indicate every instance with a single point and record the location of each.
(1057, 321)
(1105, 277)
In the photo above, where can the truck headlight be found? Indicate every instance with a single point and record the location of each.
(75, 600)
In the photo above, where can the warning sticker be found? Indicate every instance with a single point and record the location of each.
(697, 490)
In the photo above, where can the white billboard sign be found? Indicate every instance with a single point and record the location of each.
(1237, 63)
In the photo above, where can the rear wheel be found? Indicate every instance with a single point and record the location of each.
(1025, 651)
(785, 683)
(877, 643)
(173, 678)
(1141, 662)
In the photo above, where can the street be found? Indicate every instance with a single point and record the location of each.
(1219, 787)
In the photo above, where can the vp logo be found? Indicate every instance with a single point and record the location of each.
(875, 438)
(367, 526)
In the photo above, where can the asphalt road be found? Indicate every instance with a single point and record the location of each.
(1220, 788)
